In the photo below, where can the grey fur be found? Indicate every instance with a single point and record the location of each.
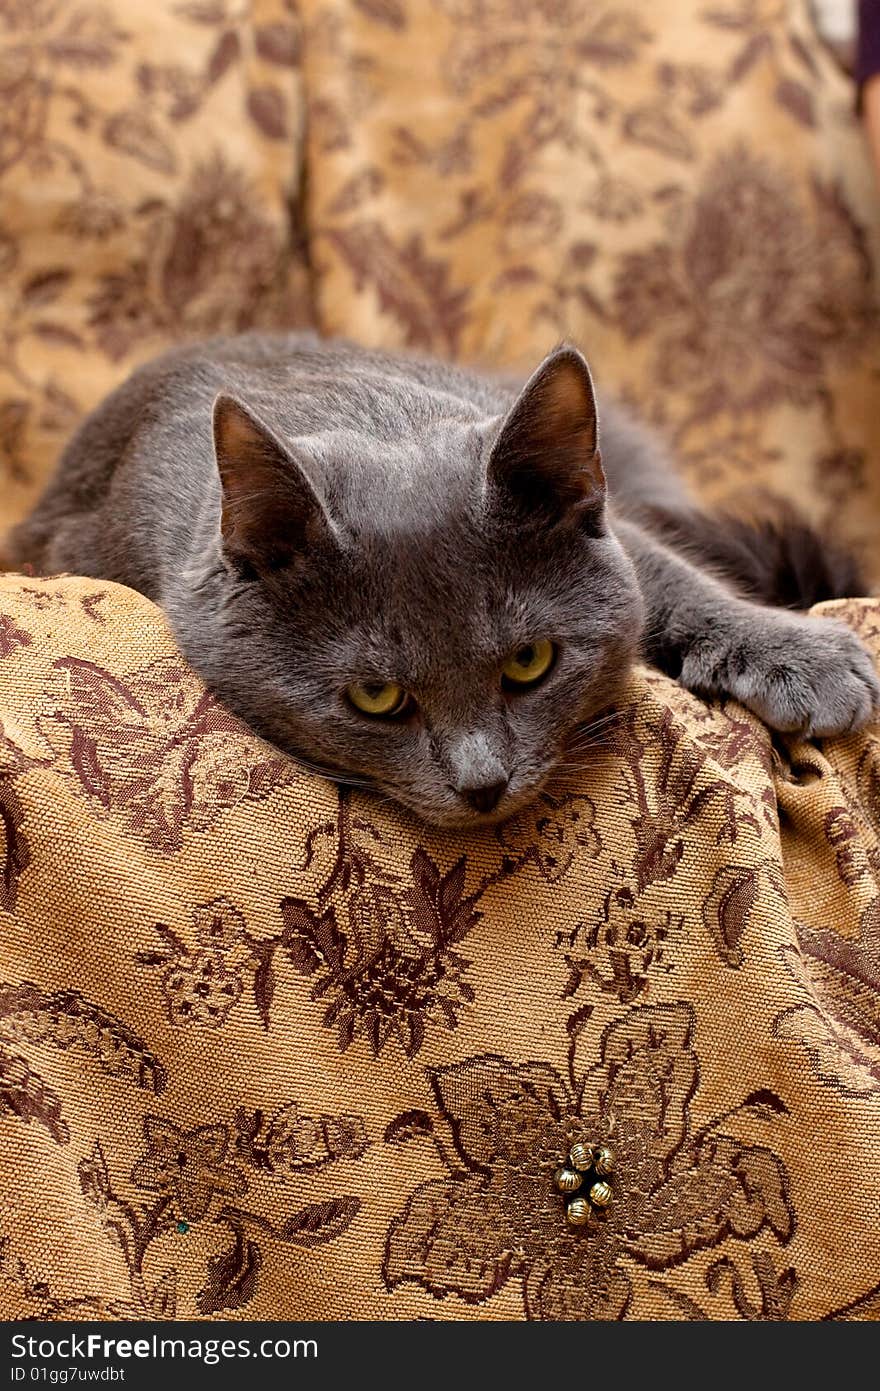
(409, 533)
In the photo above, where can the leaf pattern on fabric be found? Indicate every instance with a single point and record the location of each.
(66, 1021)
(408, 284)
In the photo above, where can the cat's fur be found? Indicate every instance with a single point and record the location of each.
(311, 514)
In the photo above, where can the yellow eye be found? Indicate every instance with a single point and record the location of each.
(383, 698)
(528, 664)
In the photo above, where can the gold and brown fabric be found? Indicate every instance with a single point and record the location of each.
(149, 155)
(681, 188)
(271, 1050)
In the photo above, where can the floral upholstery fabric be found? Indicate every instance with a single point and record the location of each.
(267, 1050)
(682, 189)
(148, 156)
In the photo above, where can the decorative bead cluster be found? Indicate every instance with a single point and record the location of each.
(588, 1168)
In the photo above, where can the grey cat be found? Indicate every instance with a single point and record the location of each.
(409, 576)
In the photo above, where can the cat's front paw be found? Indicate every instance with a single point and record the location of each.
(810, 675)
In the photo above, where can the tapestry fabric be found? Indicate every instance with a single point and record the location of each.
(273, 1050)
(683, 189)
(149, 154)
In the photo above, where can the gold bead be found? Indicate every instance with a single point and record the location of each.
(578, 1212)
(581, 1155)
(601, 1194)
(603, 1159)
(568, 1180)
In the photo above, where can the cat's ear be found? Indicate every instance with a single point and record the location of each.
(271, 513)
(545, 459)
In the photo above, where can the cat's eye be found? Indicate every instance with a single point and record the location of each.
(383, 699)
(528, 664)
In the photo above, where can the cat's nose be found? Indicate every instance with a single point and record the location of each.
(487, 797)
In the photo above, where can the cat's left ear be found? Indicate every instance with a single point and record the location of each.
(271, 513)
(545, 459)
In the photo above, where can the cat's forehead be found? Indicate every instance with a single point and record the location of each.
(405, 486)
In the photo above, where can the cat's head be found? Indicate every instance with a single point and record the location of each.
(437, 613)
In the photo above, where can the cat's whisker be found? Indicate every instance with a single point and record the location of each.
(584, 757)
(332, 774)
(587, 739)
(578, 770)
(581, 760)
(601, 722)
(586, 735)
(583, 746)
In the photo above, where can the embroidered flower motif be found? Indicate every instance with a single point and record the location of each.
(156, 749)
(498, 40)
(381, 946)
(219, 924)
(619, 949)
(188, 1170)
(613, 199)
(668, 780)
(202, 263)
(393, 969)
(290, 1141)
(202, 985)
(498, 1216)
(551, 832)
(93, 218)
(729, 337)
(201, 989)
(188, 1165)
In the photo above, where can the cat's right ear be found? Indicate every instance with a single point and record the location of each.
(545, 459)
(271, 513)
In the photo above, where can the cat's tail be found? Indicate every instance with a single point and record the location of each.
(779, 559)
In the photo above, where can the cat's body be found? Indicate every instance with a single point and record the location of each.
(339, 519)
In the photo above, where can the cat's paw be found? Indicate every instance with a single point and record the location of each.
(810, 675)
